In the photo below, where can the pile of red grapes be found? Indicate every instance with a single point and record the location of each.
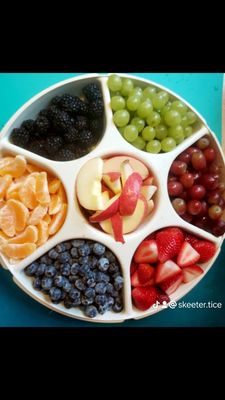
(195, 188)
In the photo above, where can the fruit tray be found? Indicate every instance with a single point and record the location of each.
(77, 226)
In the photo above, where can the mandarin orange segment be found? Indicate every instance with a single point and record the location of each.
(55, 204)
(37, 215)
(58, 220)
(29, 235)
(3, 237)
(62, 193)
(27, 192)
(8, 220)
(33, 168)
(13, 166)
(21, 214)
(54, 185)
(43, 232)
(47, 218)
(16, 251)
(5, 182)
(42, 193)
(2, 203)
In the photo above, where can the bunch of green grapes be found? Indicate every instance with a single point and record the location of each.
(147, 118)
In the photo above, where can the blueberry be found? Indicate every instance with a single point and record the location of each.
(80, 285)
(87, 300)
(115, 293)
(91, 282)
(59, 281)
(103, 308)
(100, 299)
(74, 294)
(110, 256)
(118, 282)
(73, 278)
(78, 242)
(84, 269)
(64, 257)
(89, 274)
(98, 249)
(57, 264)
(41, 269)
(93, 261)
(67, 245)
(110, 301)
(46, 260)
(37, 283)
(68, 303)
(74, 252)
(53, 254)
(63, 296)
(75, 267)
(84, 250)
(103, 264)
(100, 288)
(50, 271)
(109, 288)
(117, 307)
(76, 302)
(65, 269)
(31, 269)
(113, 268)
(91, 311)
(115, 275)
(101, 277)
(67, 286)
(46, 283)
(60, 247)
(55, 294)
(89, 292)
(84, 260)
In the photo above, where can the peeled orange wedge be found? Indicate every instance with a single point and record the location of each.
(17, 250)
(15, 166)
(21, 214)
(32, 168)
(42, 193)
(3, 237)
(47, 218)
(37, 214)
(27, 192)
(55, 204)
(58, 220)
(7, 220)
(62, 194)
(43, 232)
(54, 185)
(5, 182)
(30, 234)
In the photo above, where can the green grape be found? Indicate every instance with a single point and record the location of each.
(149, 92)
(180, 107)
(192, 118)
(154, 146)
(133, 102)
(148, 133)
(127, 87)
(159, 100)
(139, 123)
(178, 141)
(137, 91)
(166, 108)
(184, 121)
(130, 133)
(145, 109)
(161, 132)
(168, 144)
(188, 131)
(117, 103)
(154, 119)
(139, 143)
(176, 132)
(121, 118)
(172, 118)
(114, 82)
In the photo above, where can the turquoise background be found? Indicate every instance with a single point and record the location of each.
(204, 92)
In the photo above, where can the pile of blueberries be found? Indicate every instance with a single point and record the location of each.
(80, 273)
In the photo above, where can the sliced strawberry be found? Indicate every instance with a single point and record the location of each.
(162, 296)
(145, 273)
(169, 242)
(191, 239)
(144, 297)
(151, 236)
(171, 284)
(133, 268)
(135, 280)
(187, 255)
(191, 273)
(165, 270)
(147, 252)
(206, 250)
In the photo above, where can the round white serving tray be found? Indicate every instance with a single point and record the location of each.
(76, 225)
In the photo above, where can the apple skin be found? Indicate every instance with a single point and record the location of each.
(117, 227)
(111, 208)
(112, 180)
(149, 180)
(114, 163)
(130, 194)
(126, 171)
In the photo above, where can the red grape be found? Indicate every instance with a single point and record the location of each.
(172, 178)
(203, 143)
(214, 168)
(187, 217)
(198, 161)
(204, 209)
(175, 188)
(209, 181)
(197, 192)
(185, 157)
(201, 222)
(178, 168)
(219, 228)
(221, 187)
(184, 195)
(213, 197)
(209, 154)
(179, 205)
(194, 207)
(215, 211)
(187, 180)
(191, 150)
(196, 175)
(221, 203)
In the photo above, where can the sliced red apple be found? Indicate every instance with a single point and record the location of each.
(109, 191)
(151, 205)
(117, 227)
(149, 180)
(126, 171)
(88, 185)
(148, 191)
(130, 194)
(112, 180)
(113, 164)
(110, 208)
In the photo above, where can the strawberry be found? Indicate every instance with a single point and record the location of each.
(145, 273)
(162, 297)
(191, 239)
(187, 255)
(206, 250)
(144, 297)
(171, 284)
(135, 280)
(147, 252)
(169, 242)
(191, 273)
(165, 270)
(133, 268)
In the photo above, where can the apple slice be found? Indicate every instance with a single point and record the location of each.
(109, 191)
(130, 194)
(113, 164)
(88, 185)
(149, 180)
(148, 191)
(112, 180)
(126, 171)
(117, 227)
(110, 208)
(151, 205)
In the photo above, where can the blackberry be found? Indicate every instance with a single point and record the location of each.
(86, 138)
(53, 143)
(92, 92)
(44, 113)
(38, 147)
(96, 126)
(42, 125)
(71, 135)
(60, 119)
(73, 105)
(65, 154)
(55, 101)
(20, 137)
(29, 125)
(76, 149)
(96, 108)
(81, 122)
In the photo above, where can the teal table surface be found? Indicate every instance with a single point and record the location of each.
(17, 309)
